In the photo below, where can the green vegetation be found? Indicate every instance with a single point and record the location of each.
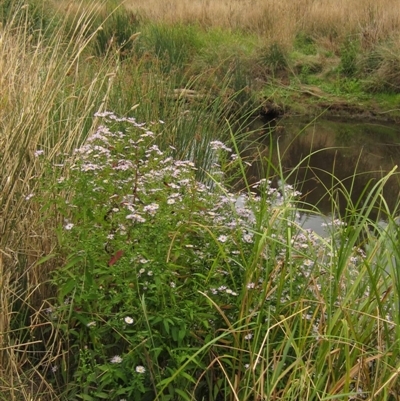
(129, 266)
(176, 289)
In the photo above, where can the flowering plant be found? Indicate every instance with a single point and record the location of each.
(165, 272)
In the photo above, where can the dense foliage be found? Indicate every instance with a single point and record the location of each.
(174, 288)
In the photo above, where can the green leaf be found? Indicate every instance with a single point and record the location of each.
(174, 333)
(45, 259)
(183, 394)
(88, 279)
(121, 375)
(182, 333)
(188, 377)
(166, 325)
(72, 262)
(156, 320)
(67, 288)
(86, 397)
(101, 394)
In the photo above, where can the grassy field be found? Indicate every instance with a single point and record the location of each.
(282, 21)
(130, 269)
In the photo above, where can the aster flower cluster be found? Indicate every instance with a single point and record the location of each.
(156, 246)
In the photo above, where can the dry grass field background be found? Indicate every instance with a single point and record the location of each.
(281, 20)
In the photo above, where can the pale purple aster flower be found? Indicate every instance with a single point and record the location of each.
(148, 133)
(103, 114)
(140, 369)
(39, 153)
(90, 167)
(216, 145)
(116, 359)
(167, 160)
(136, 217)
(155, 149)
(151, 209)
(222, 238)
(129, 207)
(248, 238)
(122, 229)
(123, 165)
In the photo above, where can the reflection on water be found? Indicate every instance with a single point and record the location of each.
(325, 159)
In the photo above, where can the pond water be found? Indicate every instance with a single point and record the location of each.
(323, 158)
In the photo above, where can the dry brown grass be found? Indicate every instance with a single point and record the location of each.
(48, 95)
(281, 20)
(329, 23)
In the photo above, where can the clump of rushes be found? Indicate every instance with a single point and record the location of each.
(178, 289)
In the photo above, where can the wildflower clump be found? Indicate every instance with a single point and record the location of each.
(164, 271)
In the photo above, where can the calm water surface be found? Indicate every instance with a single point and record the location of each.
(345, 156)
